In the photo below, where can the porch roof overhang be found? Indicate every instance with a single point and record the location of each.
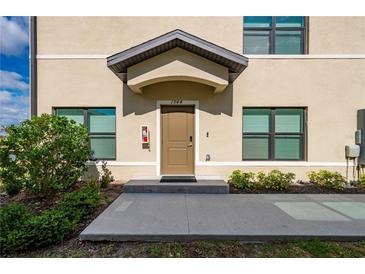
(121, 62)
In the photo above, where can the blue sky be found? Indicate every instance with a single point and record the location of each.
(14, 69)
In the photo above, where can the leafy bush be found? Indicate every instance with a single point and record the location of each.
(13, 216)
(21, 230)
(93, 182)
(362, 181)
(275, 180)
(13, 187)
(243, 180)
(43, 154)
(10, 181)
(327, 179)
(106, 176)
(52, 226)
(79, 204)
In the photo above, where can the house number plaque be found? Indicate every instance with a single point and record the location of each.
(176, 102)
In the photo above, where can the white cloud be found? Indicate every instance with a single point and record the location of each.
(5, 97)
(13, 108)
(13, 35)
(22, 21)
(12, 80)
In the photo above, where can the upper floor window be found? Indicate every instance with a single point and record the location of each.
(274, 34)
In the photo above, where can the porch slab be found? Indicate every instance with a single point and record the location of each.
(247, 217)
(155, 186)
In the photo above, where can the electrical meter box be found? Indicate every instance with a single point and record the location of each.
(361, 141)
(352, 151)
(358, 137)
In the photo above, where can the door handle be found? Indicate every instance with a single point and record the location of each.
(191, 141)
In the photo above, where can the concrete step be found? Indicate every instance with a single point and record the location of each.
(154, 186)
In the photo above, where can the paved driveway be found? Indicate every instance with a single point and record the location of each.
(248, 217)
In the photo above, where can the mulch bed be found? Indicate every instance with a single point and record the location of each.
(298, 188)
(39, 204)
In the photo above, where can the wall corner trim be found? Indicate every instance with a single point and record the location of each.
(33, 64)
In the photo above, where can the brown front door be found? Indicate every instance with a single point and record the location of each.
(177, 140)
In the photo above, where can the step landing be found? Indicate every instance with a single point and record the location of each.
(155, 186)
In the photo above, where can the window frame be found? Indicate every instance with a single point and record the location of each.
(86, 124)
(271, 134)
(272, 33)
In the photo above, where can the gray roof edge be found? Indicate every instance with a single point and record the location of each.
(145, 46)
(181, 35)
(228, 53)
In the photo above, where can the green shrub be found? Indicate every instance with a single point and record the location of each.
(51, 227)
(13, 216)
(235, 178)
(11, 182)
(13, 187)
(260, 178)
(79, 204)
(21, 230)
(105, 176)
(327, 179)
(43, 154)
(242, 180)
(362, 181)
(275, 180)
(93, 183)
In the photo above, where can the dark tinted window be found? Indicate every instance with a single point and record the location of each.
(274, 34)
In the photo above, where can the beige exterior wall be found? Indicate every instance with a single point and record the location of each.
(177, 65)
(332, 90)
(109, 35)
(337, 35)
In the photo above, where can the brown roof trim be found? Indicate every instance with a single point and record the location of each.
(119, 62)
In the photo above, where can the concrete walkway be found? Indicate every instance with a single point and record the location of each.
(249, 217)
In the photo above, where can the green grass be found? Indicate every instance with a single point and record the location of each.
(203, 249)
(315, 249)
(321, 249)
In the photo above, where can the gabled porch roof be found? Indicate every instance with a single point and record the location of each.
(120, 62)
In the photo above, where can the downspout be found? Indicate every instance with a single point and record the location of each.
(33, 64)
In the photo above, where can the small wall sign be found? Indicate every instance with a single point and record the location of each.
(176, 102)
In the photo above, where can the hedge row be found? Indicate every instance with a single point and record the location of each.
(275, 180)
(21, 230)
(278, 180)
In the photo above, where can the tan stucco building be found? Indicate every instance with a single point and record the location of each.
(212, 94)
